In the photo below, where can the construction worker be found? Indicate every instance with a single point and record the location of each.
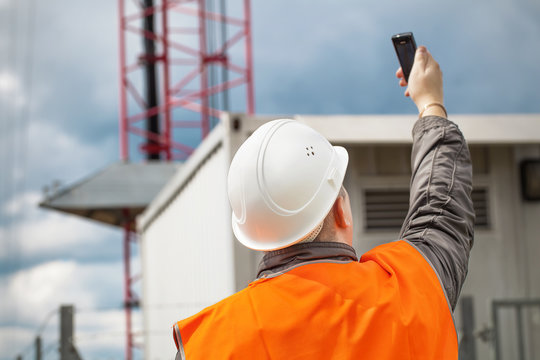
(313, 298)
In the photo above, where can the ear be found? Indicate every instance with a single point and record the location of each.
(341, 215)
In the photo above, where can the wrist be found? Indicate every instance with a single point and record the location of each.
(433, 109)
(421, 102)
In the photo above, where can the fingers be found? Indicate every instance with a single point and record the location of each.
(425, 80)
(421, 62)
(399, 74)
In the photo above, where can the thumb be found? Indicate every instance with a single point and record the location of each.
(420, 57)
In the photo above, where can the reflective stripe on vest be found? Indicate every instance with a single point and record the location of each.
(390, 305)
(180, 355)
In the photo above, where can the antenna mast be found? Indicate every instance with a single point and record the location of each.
(171, 55)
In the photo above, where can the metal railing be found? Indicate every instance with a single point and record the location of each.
(518, 306)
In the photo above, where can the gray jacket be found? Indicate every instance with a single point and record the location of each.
(440, 219)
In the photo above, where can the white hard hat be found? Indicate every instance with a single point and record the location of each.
(282, 183)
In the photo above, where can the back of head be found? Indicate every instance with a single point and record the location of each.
(282, 183)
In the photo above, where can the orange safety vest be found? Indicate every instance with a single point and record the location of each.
(390, 305)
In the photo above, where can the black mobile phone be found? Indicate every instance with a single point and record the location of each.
(405, 47)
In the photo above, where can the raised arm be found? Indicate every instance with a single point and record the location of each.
(440, 220)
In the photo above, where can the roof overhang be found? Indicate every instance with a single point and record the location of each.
(114, 195)
(496, 129)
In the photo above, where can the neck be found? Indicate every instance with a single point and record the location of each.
(279, 261)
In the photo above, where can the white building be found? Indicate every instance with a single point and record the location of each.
(191, 260)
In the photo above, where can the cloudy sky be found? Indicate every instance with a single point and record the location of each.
(59, 121)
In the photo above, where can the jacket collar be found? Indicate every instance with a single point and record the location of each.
(279, 261)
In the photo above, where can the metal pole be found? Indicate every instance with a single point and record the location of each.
(496, 343)
(127, 286)
(224, 70)
(467, 347)
(249, 59)
(38, 348)
(205, 126)
(521, 340)
(152, 122)
(166, 94)
(124, 151)
(66, 331)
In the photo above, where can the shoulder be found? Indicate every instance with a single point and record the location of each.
(414, 273)
(404, 261)
(392, 255)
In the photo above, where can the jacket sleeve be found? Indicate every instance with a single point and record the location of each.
(440, 220)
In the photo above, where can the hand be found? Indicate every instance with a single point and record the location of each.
(425, 82)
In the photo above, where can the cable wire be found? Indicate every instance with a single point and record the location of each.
(15, 118)
(46, 321)
(8, 140)
(47, 350)
(26, 350)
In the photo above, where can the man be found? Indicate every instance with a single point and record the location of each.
(312, 298)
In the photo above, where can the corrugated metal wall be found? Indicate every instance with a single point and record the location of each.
(187, 254)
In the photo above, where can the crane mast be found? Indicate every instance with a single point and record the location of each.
(176, 70)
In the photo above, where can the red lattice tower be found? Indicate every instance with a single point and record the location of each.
(182, 64)
(178, 61)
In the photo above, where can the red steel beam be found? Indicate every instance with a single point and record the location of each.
(205, 118)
